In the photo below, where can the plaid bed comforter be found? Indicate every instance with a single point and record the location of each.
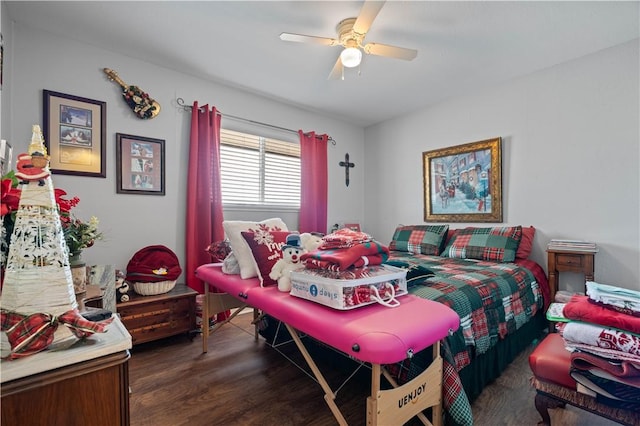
(493, 300)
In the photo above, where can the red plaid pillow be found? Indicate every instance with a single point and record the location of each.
(419, 239)
(526, 243)
(266, 248)
(497, 244)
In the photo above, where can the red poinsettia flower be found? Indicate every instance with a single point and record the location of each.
(65, 205)
(10, 197)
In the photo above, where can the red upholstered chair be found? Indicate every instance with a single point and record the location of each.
(550, 363)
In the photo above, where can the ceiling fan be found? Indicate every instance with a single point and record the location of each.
(351, 34)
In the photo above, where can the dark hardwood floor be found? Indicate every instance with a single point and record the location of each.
(244, 382)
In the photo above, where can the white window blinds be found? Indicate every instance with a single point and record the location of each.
(259, 171)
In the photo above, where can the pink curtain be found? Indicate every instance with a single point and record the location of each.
(204, 197)
(314, 182)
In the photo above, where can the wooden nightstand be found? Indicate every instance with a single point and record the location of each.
(568, 261)
(150, 318)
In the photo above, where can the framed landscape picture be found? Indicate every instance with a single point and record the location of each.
(139, 165)
(464, 183)
(75, 131)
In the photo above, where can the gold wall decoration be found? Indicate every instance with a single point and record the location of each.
(140, 103)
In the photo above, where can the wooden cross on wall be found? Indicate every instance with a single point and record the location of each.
(347, 165)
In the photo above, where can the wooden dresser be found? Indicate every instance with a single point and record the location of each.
(87, 383)
(154, 317)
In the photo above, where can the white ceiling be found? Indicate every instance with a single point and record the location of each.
(462, 46)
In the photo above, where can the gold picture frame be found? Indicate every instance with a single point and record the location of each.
(75, 132)
(463, 183)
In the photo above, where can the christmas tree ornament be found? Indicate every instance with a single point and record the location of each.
(38, 293)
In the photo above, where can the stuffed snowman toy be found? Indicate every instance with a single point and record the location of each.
(290, 261)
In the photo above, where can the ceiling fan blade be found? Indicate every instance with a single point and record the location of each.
(368, 13)
(390, 51)
(309, 39)
(337, 71)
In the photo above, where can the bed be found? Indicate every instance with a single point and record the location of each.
(500, 295)
(491, 335)
(484, 274)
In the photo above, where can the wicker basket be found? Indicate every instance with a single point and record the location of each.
(151, 289)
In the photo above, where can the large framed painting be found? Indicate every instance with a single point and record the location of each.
(75, 132)
(463, 183)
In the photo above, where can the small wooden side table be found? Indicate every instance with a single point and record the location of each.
(568, 261)
(154, 317)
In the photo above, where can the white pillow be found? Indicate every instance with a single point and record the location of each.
(240, 248)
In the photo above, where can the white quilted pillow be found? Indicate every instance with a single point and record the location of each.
(240, 248)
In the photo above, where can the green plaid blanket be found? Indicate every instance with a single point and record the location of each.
(493, 301)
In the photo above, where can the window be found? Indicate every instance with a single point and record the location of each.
(259, 171)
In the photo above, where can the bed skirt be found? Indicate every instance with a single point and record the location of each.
(488, 366)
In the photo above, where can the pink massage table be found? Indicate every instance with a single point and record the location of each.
(373, 334)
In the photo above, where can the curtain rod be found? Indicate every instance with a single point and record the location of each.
(181, 104)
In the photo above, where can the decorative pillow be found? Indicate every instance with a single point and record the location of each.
(267, 250)
(239, 246)
(497, 244)
(218, 250)
(526, 243)
(419, 239)
(450, 234)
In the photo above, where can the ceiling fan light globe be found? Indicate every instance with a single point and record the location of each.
(351, 57)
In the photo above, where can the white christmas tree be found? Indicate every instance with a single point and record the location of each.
(37, 274)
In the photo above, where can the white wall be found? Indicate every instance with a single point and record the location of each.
(5, 93)
(41, 60)
(570, 153)
(570, 158)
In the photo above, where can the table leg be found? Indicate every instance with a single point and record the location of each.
(204, 324)
(329, 397)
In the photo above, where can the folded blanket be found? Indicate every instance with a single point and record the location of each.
(603, 352)
(629, 381)
(615, 298)
(365, 254)
(608, 388)
(580, 309)
(416, 274)
(344, 238)
(623, 371)
(602, 337)
(616, 308)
